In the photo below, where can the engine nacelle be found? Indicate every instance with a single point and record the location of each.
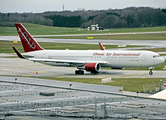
(92, 67)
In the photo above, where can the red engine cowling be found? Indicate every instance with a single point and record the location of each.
(92, 67)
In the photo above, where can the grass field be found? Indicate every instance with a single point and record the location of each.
(36, 29)
(129, 84)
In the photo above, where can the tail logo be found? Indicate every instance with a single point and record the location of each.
(24, 35)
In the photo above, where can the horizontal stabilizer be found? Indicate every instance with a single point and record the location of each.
(18, 53)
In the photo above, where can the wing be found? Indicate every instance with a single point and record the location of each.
(70, 62)
(57, 61)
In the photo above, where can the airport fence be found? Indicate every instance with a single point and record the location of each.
(153, 87)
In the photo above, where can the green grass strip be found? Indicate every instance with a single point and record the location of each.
(129, 84)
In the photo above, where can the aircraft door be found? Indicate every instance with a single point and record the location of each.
(143, 57)
(44, 55)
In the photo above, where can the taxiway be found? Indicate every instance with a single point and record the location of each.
(150, 43)
(21, 67)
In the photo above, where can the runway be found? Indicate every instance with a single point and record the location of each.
(150, 43)
(130, 33)
(21, 67)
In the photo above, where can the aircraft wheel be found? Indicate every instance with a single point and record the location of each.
(150, 73)
(82, 72)
(79, 72)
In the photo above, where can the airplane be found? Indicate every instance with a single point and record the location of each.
(89, 60)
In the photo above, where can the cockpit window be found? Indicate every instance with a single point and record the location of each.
(155, 56)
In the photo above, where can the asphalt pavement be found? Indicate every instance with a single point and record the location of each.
(21, 67)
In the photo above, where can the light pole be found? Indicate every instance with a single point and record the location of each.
(160, 84)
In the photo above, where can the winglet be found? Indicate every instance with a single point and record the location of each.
(18, 53)
(101, 46)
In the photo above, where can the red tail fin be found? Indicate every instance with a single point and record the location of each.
(28, 42)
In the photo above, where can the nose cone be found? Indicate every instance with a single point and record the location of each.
(162, 60)
(159, 61)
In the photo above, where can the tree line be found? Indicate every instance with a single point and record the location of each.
(112, 18)
(129, 17)
(6, 18)
(65, 21)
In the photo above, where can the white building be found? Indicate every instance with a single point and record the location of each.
(95, 27)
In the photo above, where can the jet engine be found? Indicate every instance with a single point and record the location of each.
(92, 67)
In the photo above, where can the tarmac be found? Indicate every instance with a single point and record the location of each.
(25, 68)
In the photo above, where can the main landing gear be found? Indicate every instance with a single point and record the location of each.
(79, 72)
(150, 73)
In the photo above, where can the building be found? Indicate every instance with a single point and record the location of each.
(95, 27)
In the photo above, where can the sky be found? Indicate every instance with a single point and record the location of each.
(39, 6)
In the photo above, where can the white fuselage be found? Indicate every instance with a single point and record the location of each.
(113, 59)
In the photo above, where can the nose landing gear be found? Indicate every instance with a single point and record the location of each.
(151, 68)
